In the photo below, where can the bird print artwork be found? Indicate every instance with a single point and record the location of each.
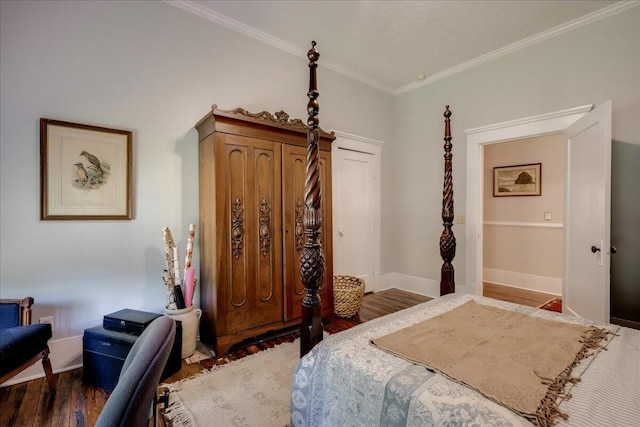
(90, 175)
(81, 173)
(95, 162)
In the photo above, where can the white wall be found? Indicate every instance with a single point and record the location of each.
(156, 70)
(590, 64)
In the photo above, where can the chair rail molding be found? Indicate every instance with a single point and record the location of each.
(523, 224)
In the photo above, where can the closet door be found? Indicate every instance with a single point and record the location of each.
(249, 202)
(293, 179)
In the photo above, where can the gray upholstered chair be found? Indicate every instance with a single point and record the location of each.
(130, 403)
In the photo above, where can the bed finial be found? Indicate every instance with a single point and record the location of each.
(447, 239)
(312, 258)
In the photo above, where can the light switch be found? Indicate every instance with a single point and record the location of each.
(547, 216)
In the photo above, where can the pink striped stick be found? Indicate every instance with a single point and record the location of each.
(189, 255)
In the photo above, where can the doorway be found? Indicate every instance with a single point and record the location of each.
(356, 207)
(586, 228)
(477, 138)
(522, 234)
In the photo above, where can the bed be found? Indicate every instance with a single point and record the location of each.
(353, 378)
(346, 380)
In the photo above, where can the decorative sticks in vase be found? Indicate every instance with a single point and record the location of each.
(179, 290)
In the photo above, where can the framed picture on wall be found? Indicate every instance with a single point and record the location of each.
(518, 180)
(85, 172)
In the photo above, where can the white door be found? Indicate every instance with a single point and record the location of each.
(354, 214)
(587, 216)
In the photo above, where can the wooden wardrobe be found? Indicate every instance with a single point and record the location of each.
(252, 170)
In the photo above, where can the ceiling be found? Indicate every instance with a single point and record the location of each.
(397, 46)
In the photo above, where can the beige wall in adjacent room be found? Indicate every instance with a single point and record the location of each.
(520, 247)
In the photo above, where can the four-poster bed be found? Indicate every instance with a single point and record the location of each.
(312, 260)
(373, 375)
(447, 239)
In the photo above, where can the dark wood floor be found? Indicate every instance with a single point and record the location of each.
(388, 301)
(75, 404)
(519, 296)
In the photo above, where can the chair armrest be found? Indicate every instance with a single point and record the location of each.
(26, 310)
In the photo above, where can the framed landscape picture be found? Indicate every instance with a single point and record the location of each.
(85, 172)
(518, 180)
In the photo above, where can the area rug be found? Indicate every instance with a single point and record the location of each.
(554, 304)
(251, 391)
(519, 361)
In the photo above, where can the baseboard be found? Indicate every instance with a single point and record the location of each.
(65, 355)
(417, 285)
(531, 282)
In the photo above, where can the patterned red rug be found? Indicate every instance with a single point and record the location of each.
(554, 304)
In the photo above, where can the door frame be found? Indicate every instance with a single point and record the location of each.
(477, 138)
(363, 144)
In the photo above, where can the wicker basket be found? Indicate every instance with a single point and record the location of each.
(347, 295)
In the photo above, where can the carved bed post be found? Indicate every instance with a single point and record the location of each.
(312, 258)
(447, 239)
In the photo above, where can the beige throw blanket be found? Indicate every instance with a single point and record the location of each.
(516, 360)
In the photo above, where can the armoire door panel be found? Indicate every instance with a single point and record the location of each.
(264, 255)
(294, 176)
(267, 251)
(236, 192)
(252, 186)
(296, 206)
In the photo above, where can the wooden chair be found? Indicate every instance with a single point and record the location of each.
(21, 343)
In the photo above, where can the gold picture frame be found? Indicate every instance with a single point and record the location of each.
(85, 172)
(517, 180)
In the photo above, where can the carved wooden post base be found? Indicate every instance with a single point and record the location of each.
(312, 270)
(447, 282)
(311, 328)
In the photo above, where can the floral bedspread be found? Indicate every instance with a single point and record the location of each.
(346, 381)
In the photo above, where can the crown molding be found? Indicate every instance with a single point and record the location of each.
(225, 21)
(603, 13)
(218, 18)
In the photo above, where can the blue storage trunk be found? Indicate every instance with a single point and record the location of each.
(105, 350)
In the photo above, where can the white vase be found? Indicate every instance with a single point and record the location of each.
(190, 319)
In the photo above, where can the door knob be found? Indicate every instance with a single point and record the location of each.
(613, 250)
(595, 249)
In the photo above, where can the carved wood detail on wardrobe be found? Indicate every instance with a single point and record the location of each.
(252, 169)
